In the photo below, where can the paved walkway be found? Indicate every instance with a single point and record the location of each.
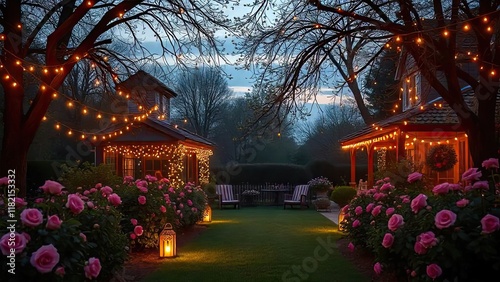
(333, 214)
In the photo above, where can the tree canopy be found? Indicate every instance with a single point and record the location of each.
(297, 40)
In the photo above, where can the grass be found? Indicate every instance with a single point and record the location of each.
(262, 244)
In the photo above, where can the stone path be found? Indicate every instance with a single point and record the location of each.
(333, 214)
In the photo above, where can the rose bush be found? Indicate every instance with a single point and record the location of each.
(148, 204)
(449, 232)
(57, 234)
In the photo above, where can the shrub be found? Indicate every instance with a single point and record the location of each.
(449, 233)
(87, 175)
(150, 203)
(65, 231)
(342, 195)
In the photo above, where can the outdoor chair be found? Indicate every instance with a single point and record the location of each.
(298, 198)
(225, 194)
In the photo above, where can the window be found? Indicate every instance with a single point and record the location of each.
(110, 159)
(154, 165)
(411, 91)
(190, 168)
(162, 103)
(128, 166)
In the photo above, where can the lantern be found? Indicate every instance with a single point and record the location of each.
(168, 247)
(207, 214)
(341, 218)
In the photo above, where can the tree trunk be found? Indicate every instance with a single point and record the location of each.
(15, 155)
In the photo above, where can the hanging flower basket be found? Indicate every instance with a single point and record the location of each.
(441, 158)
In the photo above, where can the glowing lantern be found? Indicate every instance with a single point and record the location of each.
(168, 247)
(207, 214)
(341, 218)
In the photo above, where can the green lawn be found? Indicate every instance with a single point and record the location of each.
(261, 244)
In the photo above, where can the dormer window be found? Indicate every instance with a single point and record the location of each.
(163, 105)
(411, 91)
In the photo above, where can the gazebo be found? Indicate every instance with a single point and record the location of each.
(152, 144)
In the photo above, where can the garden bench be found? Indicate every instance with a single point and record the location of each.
(298, 198)
(226, 197)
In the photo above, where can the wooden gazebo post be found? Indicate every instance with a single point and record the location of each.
(352, 152)
(370, 151)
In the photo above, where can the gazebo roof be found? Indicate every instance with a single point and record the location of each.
(420, 118)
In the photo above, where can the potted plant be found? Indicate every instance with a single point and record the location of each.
(320, 185)
(249, 195)
(322, 204)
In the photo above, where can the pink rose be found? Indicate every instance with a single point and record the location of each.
(19, 243)
(60, 271)
(39, 200)
(389, 211)
(405, 199)
(387, 179)
(52, 187)
(377, 268)
(376, 210)
(388, 240)
(345, 208)
(455, 187)
(142, 200)
(133, 236)
(351, 247)
(414, 177)
(142, 189)
(471, 174)
(369, 207)
(379, 196)
(428, 239)
(358, 210)
(490, 224)
(441, 189)
(138, 230)
(462, 203)
(419, 248)
(4, 181)
(106, 190)
(434, 271)
(20, 202)
(114, 199)
(386, 187)
(490, 163)
(93, 190)
(163, 209)
(98, 185)
(133, 221)
(418, 203)
(75, 204)
(83, 236)
(45, 258)
(31, 217)
(53, 222)
(395, 222)
(90, 205)
(189, 202)
(445, 219)
(92, 268)
(481, 185)
(356, 223)
(181, 206)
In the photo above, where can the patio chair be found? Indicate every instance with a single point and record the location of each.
(225, 194)
(298, 198)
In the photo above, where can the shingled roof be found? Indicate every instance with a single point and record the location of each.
(436, 112)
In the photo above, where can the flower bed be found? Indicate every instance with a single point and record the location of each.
(448, 232)
(74, 234)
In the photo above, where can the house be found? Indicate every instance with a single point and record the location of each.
(150, 144)
(426, 122)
